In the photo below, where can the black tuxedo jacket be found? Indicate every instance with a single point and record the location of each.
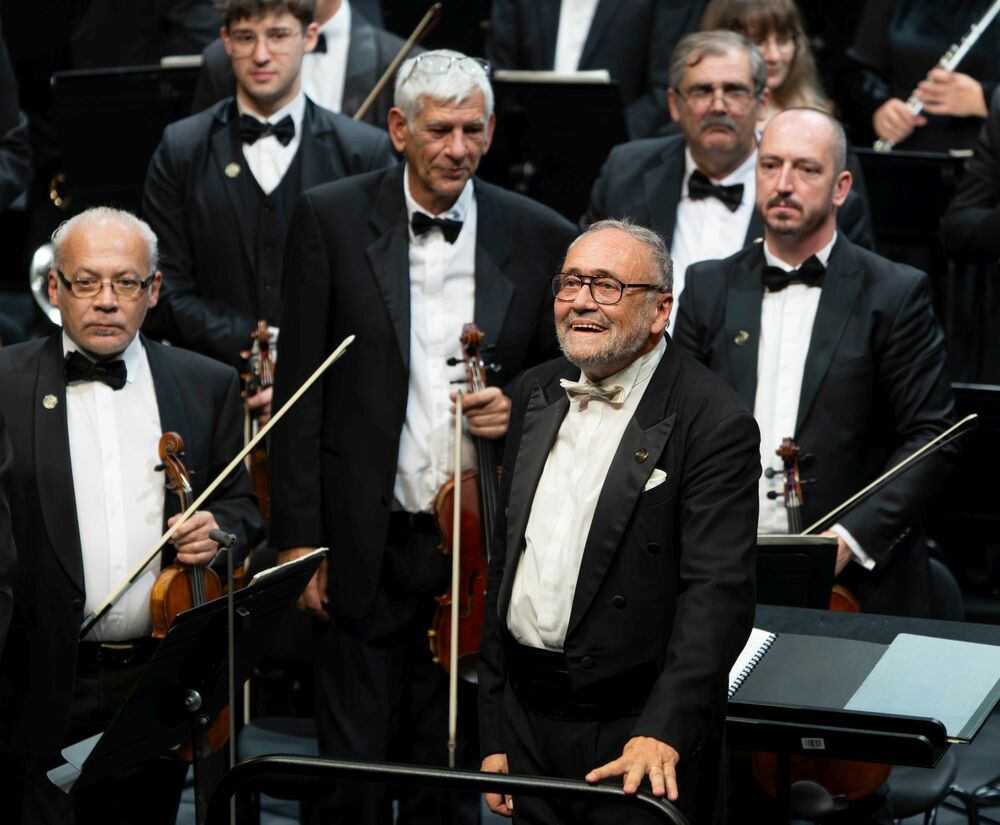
(643, 180)
(212, 295)
(369, 55)
(970, 227)
(667, 575)
(198, 398)
(8, 552)
(875, 388)
(333, 463)
(633, 41)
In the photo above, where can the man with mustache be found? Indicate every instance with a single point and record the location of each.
(403, 258)
(621, 586)
(697, 188)
(835, 347)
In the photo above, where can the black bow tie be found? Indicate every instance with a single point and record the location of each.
(700, 187)
(810, 273)
(320, 47)
(252, 130)
(80, 368)
(422, 225)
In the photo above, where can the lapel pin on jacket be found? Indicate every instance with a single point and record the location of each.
(232, 170)
(741, 338)
(50, 402)
(641, 454)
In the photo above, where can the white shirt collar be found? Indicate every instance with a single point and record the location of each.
(744, 173)
(338, 26)
(132, 356)
(823, 255)
(635, 373)
(459, 209)
(296, 108)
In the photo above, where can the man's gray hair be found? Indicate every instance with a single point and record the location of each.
(694, 48)
(662, 267)
(106, 214)
(462, 78)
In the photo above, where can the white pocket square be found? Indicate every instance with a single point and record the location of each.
(656, 479)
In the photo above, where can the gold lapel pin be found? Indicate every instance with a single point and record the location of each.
(641, 454)
(50, 402)
(741, 338)
(233, 170)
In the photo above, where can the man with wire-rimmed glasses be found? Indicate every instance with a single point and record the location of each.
(621, 588)
(85, 409)
(403, 258)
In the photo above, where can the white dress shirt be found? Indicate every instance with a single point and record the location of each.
(442, 301)
(786, 323)
(564, 504)
(575, 17)
(267, 158)
(324, 73)
(705, 229)
(113, 438)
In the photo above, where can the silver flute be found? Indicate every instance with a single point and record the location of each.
(948, 62)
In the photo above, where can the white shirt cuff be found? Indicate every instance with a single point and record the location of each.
(860, 556)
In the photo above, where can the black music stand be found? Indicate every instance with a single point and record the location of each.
(795, 571)
(109, 122)
(184, 686)
(552, 137)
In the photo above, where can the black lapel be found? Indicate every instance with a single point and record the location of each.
(389, 255)
(362, 60)
(602, 21)
(661, 189)
(319, 160)
(542, 420)
(741, 331)
(644, 438)
(173, 419)
(755, 229)
(548, 30)
(56, 496)
(840, 291)
(493, 288)
(232, 170)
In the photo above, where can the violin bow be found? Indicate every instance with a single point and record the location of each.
(456, 550)
(424, 26)
(956, 430)
(98, 612)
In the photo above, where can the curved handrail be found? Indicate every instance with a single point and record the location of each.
(251, 769)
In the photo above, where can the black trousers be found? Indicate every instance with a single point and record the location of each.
(147, 794)
(539, 743)
(381, 698)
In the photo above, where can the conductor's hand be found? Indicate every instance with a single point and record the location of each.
(486, 411)
(643, 756)
(893, 121)
(499, 803)
(191, 539)
(952, 93)
(314, 598)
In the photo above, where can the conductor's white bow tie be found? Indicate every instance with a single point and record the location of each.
(614, 394)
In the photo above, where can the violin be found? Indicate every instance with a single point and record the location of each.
(180, 587)
(259, 376)
(840, 777)
(477, 499)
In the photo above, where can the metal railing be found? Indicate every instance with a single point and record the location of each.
(258, 767)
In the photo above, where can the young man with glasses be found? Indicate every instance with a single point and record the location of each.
(85, 409)
(621, 588)
(222, 184)
(351, 55)
(403, 258)
(697, 188)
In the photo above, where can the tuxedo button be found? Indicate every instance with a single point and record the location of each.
(618, 601)
(587, 662)
(653, 549)
(76, 605)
